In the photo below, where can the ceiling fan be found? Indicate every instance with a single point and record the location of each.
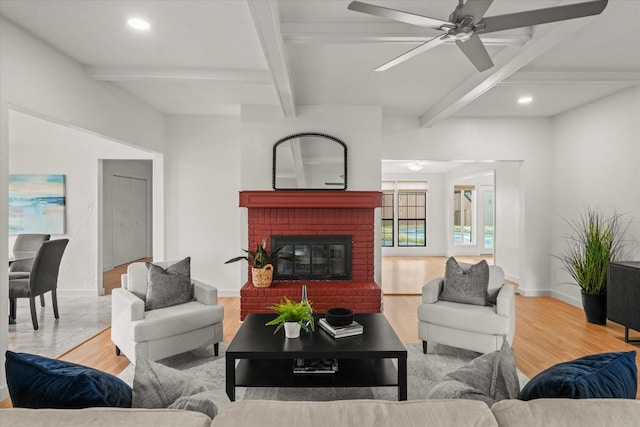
(467, 21)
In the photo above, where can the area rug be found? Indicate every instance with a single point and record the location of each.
(423, 372)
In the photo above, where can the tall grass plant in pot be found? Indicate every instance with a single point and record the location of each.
(596, 239)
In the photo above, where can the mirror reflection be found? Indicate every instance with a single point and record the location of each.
(310, 161)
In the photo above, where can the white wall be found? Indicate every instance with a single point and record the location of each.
(39, 79)
(359, 127)
(526, 142)
(203, 180)
(596, 162)
(508, 218)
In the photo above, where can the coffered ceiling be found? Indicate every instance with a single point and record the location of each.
(211, 57)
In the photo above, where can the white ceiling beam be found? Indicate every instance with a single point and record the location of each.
(267, 22)
(507, 62)
(298, 163)
(380, 33)
(572, 78)
(115, 74)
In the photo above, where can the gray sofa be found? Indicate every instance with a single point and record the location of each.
(366, 413)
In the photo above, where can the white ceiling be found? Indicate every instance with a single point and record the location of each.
(210, 57)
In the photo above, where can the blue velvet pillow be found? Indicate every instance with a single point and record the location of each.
(39, 382)
(606, 375)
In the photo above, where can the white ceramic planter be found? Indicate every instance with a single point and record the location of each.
(291, 329)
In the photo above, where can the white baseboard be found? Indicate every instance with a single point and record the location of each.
(534, 292)
(566, 298)
(512, 278)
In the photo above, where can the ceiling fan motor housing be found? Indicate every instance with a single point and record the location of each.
(464, 29)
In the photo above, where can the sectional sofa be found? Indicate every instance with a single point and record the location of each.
(369, 413)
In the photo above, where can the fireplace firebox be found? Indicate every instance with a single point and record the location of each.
(312, 257)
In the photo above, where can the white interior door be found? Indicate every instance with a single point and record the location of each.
(129, 219)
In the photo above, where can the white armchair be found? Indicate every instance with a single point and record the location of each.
(162, 332)
(474, 327)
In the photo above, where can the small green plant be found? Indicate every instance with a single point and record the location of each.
(258, 258)
(289, 311)
(596, 240)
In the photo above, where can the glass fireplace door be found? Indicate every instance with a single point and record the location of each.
(312, 257)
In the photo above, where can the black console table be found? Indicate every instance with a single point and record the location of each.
(623, 295)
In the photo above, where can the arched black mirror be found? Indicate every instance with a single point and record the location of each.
(309, 161)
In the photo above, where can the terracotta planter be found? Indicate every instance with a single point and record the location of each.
(595, 307)
(261, 277)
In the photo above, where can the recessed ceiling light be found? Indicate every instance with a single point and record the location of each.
(139, 24)
(415, 166)
(525, 100)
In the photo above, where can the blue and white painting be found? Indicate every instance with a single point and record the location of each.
(36, 204)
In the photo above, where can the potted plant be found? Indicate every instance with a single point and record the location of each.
(293, 316)
(596, 240)
(261, 262)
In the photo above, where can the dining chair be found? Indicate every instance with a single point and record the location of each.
(42, 278)
(25, 249)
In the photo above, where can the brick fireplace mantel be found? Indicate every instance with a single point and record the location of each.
(315, 213)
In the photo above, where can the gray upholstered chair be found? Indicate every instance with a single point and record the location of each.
(25, 249)
(474, 327)
(162, 332)
(42, 278)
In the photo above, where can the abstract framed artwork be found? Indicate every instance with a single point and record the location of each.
(36, 204)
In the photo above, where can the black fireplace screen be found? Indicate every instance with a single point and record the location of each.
(312, 257)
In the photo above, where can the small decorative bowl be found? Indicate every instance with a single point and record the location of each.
(339, 316)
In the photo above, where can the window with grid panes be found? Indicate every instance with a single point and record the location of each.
(412, 218)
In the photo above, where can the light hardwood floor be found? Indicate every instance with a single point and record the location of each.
(406, 275)
(548, 331)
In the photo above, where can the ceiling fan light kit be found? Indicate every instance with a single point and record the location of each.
(467, 21)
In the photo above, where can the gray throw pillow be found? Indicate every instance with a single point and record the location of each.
(467, 287)
(168, 287)
(490, 378)
(158, 386)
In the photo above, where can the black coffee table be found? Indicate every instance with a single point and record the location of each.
(266, 360)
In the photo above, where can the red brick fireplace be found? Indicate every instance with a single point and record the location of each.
(315, 213)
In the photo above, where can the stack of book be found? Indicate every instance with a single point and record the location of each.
(341, 331)
(315, 366)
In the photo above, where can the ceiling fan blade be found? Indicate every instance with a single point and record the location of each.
(414, 52)
(475, 8)
(397, 15)
(540, 16)
(476, 52)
